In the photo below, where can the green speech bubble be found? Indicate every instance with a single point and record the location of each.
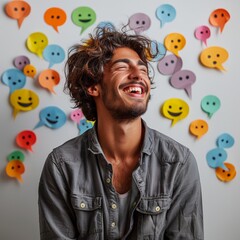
(83, 17)
(16, 155)
(210, 104)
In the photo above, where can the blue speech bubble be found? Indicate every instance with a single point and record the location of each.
(107, 25)
(53, 53)
(14, 79)
(225, 140)
(52, 117)
(84, 125)
(161, 50)
(165, 13)
(216, 157)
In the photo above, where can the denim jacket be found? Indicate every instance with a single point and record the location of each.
(77, 199)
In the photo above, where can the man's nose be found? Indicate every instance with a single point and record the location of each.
(135, 73)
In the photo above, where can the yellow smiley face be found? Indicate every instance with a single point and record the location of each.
(174, 42)
(175, 109)
(23, 100)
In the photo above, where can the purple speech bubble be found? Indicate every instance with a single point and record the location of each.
(169, 64)
(139, 22)
(20, 62)
(202, 33)
(183, 80)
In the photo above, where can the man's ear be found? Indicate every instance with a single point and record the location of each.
(93, 90)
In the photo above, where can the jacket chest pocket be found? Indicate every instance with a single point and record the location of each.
(89, 217)
(151, 215)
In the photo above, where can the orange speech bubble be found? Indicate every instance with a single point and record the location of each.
(55, 17)
(198, 128)
(219, 17)
(15, 169)
(26, 139)
(224, 175)
(174, 42)
(29, 70)
(18, 10)
(213, 57)
(49, 79)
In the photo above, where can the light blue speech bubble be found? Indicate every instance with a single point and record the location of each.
(210, 104)
(84, 125)
(52, 117)
(216, 157)
(106, 24)
(14, 79)
(161, 50)
(165, 13)
(225, 140)
(53, 53)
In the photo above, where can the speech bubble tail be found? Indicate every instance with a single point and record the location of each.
(205, 42)
(56, 28)
(15, 112)
(39, 54)
(221, 68)
(38, 125)
(50, 65)
(173, 123)
(189, 91)
(20, 20)
(224, 167)
(210, 115)
(19, 178)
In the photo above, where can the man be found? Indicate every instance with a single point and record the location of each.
(120, 179)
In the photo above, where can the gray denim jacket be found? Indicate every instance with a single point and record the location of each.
(76, 197)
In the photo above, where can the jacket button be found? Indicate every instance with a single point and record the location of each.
(157, 209)
(114, 206)
(108, 180)
(82, 205)
(113, 224)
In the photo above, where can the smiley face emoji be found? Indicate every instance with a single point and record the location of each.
(23, 100)
(224, 175)
(175, 109)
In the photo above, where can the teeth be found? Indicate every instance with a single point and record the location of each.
(134, 90)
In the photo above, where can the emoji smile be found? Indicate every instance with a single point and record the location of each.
(24, 104)
(84, 20)
(174, 114)
(51, 121)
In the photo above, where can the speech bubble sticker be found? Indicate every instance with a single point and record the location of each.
(226, 176)
(36, 42)
(52, 117)
(202, 33)
(23, 100)
(165, 13)
(169, 65)
(219, 17)
(158, 51)
(84, 125)
(55, 17)
(30, 71)
(174, 42)
(83, 17)
(48, 79)
(14, 79)
(26, 139)
(139, 22)
(54, 54)
(225, 140)
(198, 128)
(210, 104)
(183, 79)
(175, 109)
(16, 155)
(15, 169)
(18, 10)
(214, 57)
(107, 25)
(76, 115)
(20, 62)
(216, 157)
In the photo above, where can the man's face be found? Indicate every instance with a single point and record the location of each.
(126, 86)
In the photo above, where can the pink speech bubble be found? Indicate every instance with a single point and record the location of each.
(169, 64)
(76, 115)
(202, 33)
(183, 80)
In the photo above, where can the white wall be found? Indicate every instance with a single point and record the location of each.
(18, 201)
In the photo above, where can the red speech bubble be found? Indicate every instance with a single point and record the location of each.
(219, 17)
(18, 10)
(26, 139)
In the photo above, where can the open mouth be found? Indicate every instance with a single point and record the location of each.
(51, 121)
(134, 90)
(24, 104)
(174, 114)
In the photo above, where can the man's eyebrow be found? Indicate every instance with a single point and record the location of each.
(126, 60)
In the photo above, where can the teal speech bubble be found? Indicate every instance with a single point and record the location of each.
(16, 155)
(83, 17)
(210, 104)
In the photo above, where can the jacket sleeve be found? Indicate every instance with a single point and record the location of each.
(185, 216)
(56, 217)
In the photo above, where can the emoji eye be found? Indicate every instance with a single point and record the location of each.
(162, 12)
(46, 78)
(48, 115)
(19, 98)
(166, 64)
(23, 137)
(79, 15)
(9, 78)
(196, 127)
(213, 103)
(137, 22)
(143, 22)
(180, 78)
(30, 99)
(52, 16)
(222, 14)
(170, 106)
(172, 41)
(168, 14)
(179, 40)
(206, 31)
(218, 55)
(29, 136)
(201, 32)
(23, 9)
(58, 17)
(187, 77)
(215, 15)
(180, 108)
(57, 117)
(58, 53)
(229, 175)
(15, 9)
(19, 166)
(219, 154)
(52, 53)
(12, 167)
(89, 15)
(172, 61)
(202, 126)
(35, 42)
(42, 41)
(209, 56)
(19, 80)
(53, 78)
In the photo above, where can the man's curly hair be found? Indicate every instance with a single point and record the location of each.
(84, 66)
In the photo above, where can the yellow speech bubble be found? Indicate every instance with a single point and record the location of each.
(174, 42)
(214, 57)
(30, 71)
(198, 128)
(23, 100)
(15, 169)
(175, 109)
(36, 43)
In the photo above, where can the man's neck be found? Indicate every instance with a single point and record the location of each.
(121, 140)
